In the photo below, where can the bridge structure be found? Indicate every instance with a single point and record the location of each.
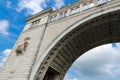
(52, 40)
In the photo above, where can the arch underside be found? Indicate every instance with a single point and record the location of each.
(98, 31)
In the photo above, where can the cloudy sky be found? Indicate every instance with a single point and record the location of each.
(12, 19)
(101, 63)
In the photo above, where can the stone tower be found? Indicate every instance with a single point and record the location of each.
(18, 65)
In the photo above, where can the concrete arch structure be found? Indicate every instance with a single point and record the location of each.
(54, 46)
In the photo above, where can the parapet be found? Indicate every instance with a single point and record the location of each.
(49, 15)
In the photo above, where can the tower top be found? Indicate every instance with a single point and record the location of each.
(44, 12)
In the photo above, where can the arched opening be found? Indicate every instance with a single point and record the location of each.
(51, 74)
(100, 63)
(98, 31)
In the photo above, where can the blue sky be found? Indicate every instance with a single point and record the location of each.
(101, 63)
(12, 19)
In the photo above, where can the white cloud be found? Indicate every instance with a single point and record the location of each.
(4, 25)
(8, 4)
(101, 63)
(5, 53)
(32, 6)
(58, 4)
(67, 77)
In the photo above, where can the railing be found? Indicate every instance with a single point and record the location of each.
(70, 10)
(75, 8)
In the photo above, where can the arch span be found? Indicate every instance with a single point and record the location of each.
(86, 33)
(92, 33)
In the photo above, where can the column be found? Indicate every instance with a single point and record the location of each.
(95, 2)
(68, 12)
(81, 7)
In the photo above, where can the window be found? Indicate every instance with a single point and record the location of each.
(61, 15)
(73, 11)
(85, 7)
(78, 9)
(35, 23)
(101, 1)
(66, 14)
(91, 5)
(53, 18)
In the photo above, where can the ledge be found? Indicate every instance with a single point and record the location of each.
(39, 13)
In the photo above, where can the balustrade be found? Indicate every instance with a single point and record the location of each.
(84, 5)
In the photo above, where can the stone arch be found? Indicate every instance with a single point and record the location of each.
(83, 30)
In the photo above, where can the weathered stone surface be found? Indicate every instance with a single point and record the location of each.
(59, 43)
